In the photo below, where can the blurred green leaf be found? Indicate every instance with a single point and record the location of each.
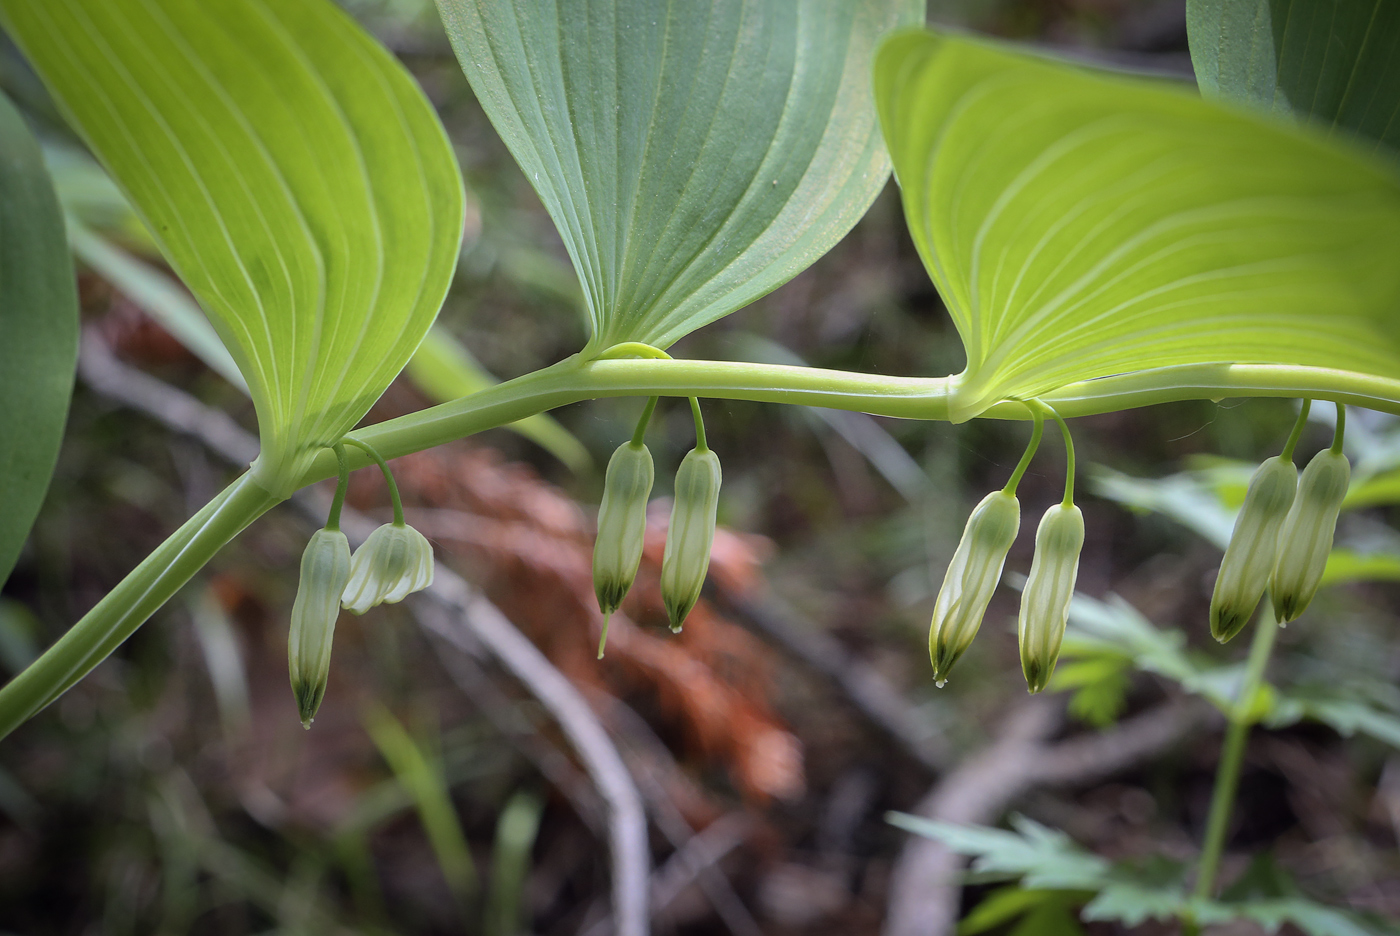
(38, 332)
(1080, 225)
(1048, 911)
(423, 778)
(1345, 713)
(1374, 491)
(510, 865)
(1345, 565)
(445, 370)
(1042, 857)
(1099, 686)
(1332, 61)
(293, 174)
(687, 177)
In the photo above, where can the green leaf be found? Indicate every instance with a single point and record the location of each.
(445, 370)
(423, 778)
(293, 175)
(38, 332)
(1042, 857)
(510, 863)
(1332, 61)
(1345, 565)
(1044, 910)
(693, 155)
(1099, 684)
(1080, 225)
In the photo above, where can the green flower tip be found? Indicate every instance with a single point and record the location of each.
(1305, 539)
(1049, 588)
(690, 535)
(391, 564)
(622, 524)
(325, 568)
(1253, 548)
(971, 579)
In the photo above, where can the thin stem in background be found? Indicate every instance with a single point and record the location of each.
(1227, 773)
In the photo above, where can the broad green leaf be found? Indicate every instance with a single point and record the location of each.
(1080, 225)
(38, 332)
(445, 370)
(293, 175)
(1332, 61)
(694, 155)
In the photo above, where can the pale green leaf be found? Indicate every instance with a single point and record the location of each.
(1082, 225)
(445, 370)
(694, 155)
(1041, 856)
(38, 332)
(292, 173)
(1332, 61)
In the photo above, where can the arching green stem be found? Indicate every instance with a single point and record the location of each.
(699, 425)
(1037, 429)
(639, 434)
(1297, 432)
(342, 485)
(1069, 447)
(388, 476)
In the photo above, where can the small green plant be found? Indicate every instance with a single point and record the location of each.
(1102, 241)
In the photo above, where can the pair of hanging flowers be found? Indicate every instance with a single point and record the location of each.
(393, 562)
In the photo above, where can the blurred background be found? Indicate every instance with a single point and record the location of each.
(174, 791)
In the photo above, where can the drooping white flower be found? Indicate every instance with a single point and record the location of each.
(1253, 548)
(325, 568)
(1305, 540)
(691, 534)
(1049, 588)
(392, 563)
(971, 579)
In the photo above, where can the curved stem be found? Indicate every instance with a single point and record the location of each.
(341, 486)
(1339, 434)
(1227, 774)
(1037, 429)
(135, 599)
(700, 445)
(639, 434)
(388, 476)
(574, 379)
(1297, 431)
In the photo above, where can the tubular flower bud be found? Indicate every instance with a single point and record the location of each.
(1249, 558)
(1049, 588)
(972, 577)
(622, 524)
(691, 533)
(392, 563)
(325, 568)
(1306, 537)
